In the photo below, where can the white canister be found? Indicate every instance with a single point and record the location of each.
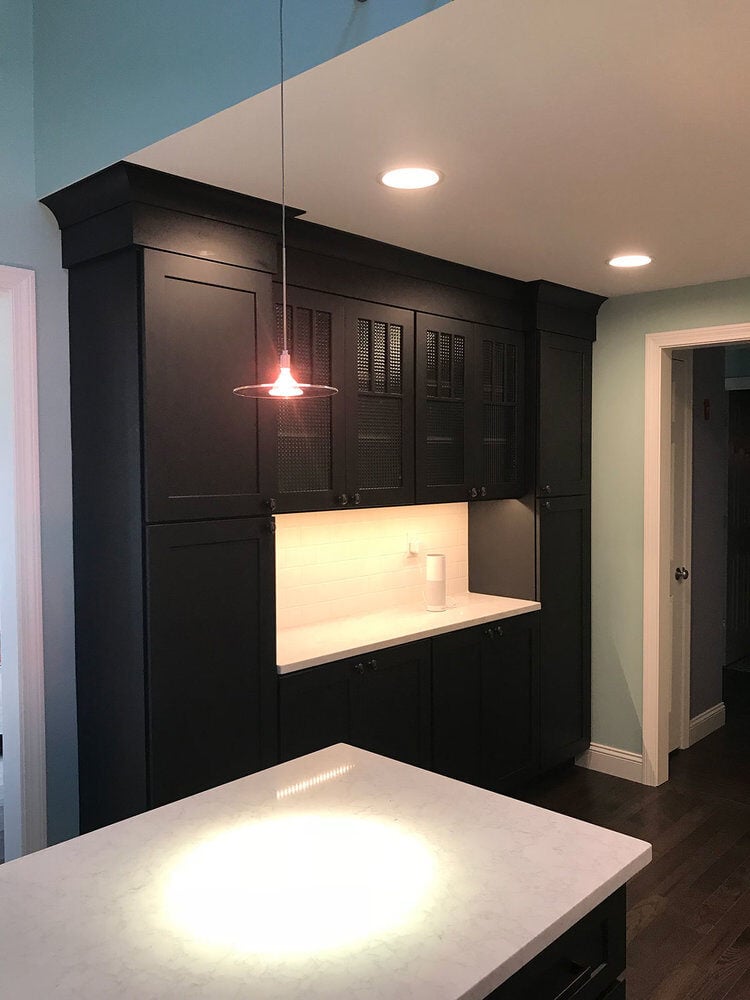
(435, 581)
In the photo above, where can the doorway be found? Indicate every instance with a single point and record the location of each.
(23, 764)
(666, 719)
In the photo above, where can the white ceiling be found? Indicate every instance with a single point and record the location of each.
(568, 131)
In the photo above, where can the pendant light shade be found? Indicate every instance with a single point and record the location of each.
(286, 386)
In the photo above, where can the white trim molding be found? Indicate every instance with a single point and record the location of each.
(657, 624)
(610, 760)
(707, 722)
(23, 689)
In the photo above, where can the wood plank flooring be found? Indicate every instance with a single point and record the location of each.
(689, 911)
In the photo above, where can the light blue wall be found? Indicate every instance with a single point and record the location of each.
(113, 77)
(29, 238)
(617, 488)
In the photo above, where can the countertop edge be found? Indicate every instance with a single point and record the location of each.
(401, 640)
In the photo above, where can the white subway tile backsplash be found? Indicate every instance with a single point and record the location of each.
(334, 564)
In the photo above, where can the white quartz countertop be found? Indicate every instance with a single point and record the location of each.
(310, 645)
(338, 874)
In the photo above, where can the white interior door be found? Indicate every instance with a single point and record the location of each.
(679, 566)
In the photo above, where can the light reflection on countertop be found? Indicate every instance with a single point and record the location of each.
(310, 645)
(180, 903)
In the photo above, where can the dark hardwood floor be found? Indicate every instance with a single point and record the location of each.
(689, 911)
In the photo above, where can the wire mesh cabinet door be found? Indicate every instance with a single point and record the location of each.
(380, 405)
(310, 446)
(498, 419)
(445, 465)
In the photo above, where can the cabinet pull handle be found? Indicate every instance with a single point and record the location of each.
(483, 490)
(356, 498)
(473, 493)
(271, 504)
(547, 505)
(373, 664)
(546, 489)
(499, 631)
(489, 633)
(359, 667)
(342, 499)
(581, 976)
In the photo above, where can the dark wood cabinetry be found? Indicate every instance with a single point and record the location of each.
(486, 703)
(204, 332)
(379, 701)
(582, 964)
(565, 595)
(469, 411)
(309, 467)
(564, 451)
(210, 640)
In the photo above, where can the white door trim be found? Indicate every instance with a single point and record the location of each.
(656, 521)
(24, 747)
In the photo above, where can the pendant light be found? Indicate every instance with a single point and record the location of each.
(285, 386)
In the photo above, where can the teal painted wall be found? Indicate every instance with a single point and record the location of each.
(113, 77)
(617, 488)
(29, 238)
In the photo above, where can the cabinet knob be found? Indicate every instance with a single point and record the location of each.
(483, 491)
(359, 668)
(271, 504)
(681, 574)
(499, 631)
(342, 499)
(546, 489)
(473, 493)
(373, 664)
(547, 505)
(356, 498)
(489, 633)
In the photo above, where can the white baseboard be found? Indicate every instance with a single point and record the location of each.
(610, 760)
(707, 722)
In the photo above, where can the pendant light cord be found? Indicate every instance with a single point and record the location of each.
(283, 177)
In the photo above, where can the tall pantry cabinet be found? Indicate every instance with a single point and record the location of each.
(173, 547)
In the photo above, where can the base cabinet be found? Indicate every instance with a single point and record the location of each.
(486, 703)
(379, 701)
(582, 964)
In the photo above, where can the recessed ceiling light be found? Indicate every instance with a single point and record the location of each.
(630, 260)
(410, 178)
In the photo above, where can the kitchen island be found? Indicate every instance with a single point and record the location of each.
(335, 875)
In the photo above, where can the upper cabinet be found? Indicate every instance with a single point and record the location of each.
(564, 452)
(309, 458)
(379, 405)
(469, 411)
(204, 332)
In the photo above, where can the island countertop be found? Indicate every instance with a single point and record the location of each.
(311, 645)
(336, 874)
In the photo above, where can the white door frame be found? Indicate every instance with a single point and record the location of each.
(656, 522)
(24, 749)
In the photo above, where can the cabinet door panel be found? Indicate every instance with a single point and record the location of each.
(499, 392)
(486, 703)
(564, 415)
(380, 407)
(457, 731)
(211, 680)
(314, 709)
(310, 441)
(444, 360)
(510, 696)
(565, 575)
(390, 703)
(206, 332)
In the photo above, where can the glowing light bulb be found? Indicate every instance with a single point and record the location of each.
(630, 260)
(286, 384)
(410, 178)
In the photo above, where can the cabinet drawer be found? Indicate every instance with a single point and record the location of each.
(581, 965)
